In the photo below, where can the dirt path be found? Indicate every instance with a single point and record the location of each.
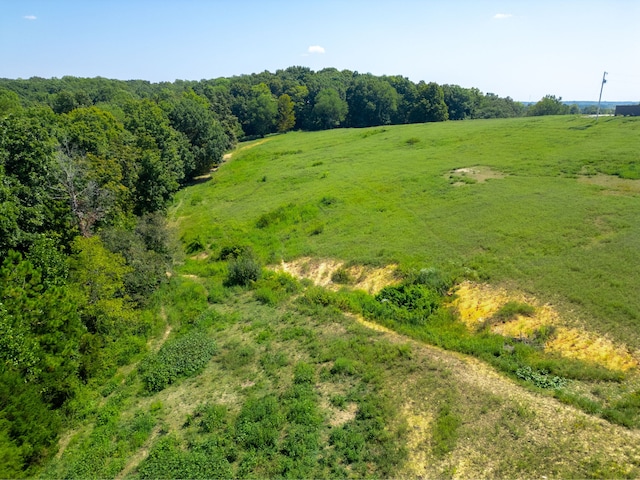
(142, 453)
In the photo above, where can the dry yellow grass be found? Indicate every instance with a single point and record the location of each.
(320, 271)
(477, 303)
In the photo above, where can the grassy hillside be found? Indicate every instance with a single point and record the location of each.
(387, 195)
(460, 302)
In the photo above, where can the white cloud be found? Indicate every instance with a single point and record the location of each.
(30, 17)
(502, 16)
(315, 49)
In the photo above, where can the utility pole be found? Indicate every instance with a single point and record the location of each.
(600, 97)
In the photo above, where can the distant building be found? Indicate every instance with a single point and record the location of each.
(630, 110)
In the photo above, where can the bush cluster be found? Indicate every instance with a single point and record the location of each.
(540, 378)
(183, 357)
(243, 270)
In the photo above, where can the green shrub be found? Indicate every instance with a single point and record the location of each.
(541, 378)
(211, 417)
(303, 373)
(228, 252)
(412, 304)
(341, 276)
(266, 296)
(344, 366)
(167, 460)
(273, 288)
(182, 357)
(195, 245)
(259, 423)
(433, 279)
(243, 271)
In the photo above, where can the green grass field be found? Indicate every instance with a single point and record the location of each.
(280, 378)
(384, 195)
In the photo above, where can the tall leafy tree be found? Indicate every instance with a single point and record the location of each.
(9, 102)
(263, 111)
(99, 275)
(191, 116)
(549, 105)
(28, 170)
(164, 156)
(286, 117)
(329, 110)
(371, 101)
(430, 105)
(461, 102)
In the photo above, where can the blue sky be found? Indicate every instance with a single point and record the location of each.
(522, 49)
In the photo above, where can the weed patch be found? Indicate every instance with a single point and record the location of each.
(182, 357)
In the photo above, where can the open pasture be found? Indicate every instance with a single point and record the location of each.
(549, 206)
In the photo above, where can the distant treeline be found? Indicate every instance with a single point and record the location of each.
(294, 98)
(87, 168)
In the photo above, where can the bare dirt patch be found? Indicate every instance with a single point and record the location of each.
(478, 303)
(321, 272)
(200, 256)
(339, 417)
(469, 175)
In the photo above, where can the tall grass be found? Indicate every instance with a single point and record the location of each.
(570, 242)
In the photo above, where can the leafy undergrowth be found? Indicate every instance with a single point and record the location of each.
(294, 388)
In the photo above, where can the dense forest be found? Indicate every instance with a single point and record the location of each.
(87, 168)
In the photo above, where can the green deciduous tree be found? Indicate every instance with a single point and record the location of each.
(329, 110)
(164, 156)
(371, 101)
(262, 111)
(549, 105)
(286, 117)
(430, 105)
(99, 276)
(9, 102)
(28, 172)
(191, 116)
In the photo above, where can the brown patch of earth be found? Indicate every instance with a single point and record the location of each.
(339, 417)
(320, 272)
(478, 303)
(200, 256)
(477, 174)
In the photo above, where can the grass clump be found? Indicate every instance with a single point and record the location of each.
(342, 276)
(274, 287)
(445, 430)
(510, 309)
